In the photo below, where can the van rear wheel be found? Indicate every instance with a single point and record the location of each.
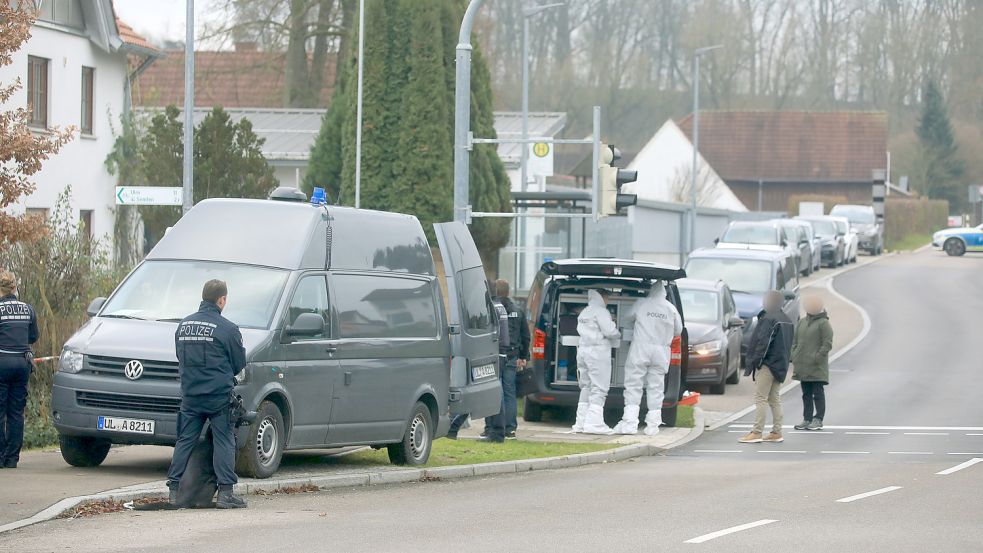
(531, 411)
(260, 457)
(414, 448)
(83, 452)
(669, 416)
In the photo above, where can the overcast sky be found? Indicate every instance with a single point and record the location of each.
(159, 20)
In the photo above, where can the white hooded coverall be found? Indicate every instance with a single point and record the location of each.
(598, 334)
(657, 322)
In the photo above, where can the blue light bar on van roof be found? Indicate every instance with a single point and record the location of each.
(319, 197)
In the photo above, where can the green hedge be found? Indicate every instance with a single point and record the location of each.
(905, 217)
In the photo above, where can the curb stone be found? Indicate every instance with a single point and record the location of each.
(381, 478)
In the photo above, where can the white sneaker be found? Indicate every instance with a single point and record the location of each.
(651, 430)
(626, 428)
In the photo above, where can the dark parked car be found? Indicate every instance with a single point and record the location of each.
(556, 297)
(834, 245)
(801, 241)
(749, 274)
(715, 333)
(864, 222)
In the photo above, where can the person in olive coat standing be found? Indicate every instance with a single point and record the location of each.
(810, 359)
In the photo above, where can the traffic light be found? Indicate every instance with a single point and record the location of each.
(612, 179)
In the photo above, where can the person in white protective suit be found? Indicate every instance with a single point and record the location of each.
(656, 322)
(598, 334)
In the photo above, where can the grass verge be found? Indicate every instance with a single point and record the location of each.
(910, 242)
(465, 452)
(684, 417)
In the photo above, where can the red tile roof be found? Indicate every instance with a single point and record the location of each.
(241, 78)
(804, 146)
(129, 36)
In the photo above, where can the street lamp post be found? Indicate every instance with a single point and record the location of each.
(696, 140)
(189, 106)
(358, 107)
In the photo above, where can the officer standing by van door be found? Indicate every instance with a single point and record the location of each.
(656, 323)
(210, 354)
(18, 330)
(517, 356)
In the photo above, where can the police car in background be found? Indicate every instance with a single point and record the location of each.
(958, 241)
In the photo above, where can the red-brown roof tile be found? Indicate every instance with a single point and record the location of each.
(241, 78)
(804, 146)
(129, 36)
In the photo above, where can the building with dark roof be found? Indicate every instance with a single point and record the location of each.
(787, 153)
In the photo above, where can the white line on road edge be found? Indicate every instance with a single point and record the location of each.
(861, 433)
(780, 451)
(797, 431)
(846, 452)
(834, 427)
(960, 466)
(966, 453)
(868, 494)
(836, 355)
(718, 451)
(973, 434)
(926, 433)
(910, 453)
(731, 530)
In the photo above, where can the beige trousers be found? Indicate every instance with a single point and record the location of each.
(766, 394)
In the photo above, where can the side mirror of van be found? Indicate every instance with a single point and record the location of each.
(784, 244)
(716, 241)
(307, 324)
(735, 322)
(95, 306)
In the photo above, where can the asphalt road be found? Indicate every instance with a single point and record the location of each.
(904, 406)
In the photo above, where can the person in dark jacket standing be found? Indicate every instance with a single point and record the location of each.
(517, 355)
(210, 354)
(18, 330)
(810, 360)
(767, 363)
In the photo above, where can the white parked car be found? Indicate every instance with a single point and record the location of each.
(850, 236)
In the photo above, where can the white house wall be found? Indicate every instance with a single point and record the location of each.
(80, 163)
(666, 158)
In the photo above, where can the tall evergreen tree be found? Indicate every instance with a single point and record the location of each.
(942, 167)
(408, 122)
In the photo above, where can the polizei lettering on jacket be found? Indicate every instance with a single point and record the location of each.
(657, 315)
(196, 331)
(14, 311)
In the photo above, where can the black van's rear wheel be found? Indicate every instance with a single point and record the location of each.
(83, 452)
(260, 457)
(531, 411)
(414, 449)
(669, 416)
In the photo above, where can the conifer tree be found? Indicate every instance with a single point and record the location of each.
(942, 168)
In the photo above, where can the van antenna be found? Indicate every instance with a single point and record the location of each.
(327, 238)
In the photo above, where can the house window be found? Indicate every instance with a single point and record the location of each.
(88, 86)
(62, 12)
(85, 218)
(37, 91)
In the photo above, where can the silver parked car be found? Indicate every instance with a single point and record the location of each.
(833, 249)
(863, 221)
(803, 240)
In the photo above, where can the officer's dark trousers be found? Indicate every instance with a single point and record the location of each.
(15, 371)
(191, 420)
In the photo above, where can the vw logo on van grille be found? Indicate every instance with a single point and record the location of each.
(133, 370)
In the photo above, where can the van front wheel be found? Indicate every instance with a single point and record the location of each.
(260, 457)
(414, 448)
(83, 452)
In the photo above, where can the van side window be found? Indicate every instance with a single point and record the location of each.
(477, 302)
(371, 306)
(311, 296)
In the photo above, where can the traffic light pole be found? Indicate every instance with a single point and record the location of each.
(462, 113)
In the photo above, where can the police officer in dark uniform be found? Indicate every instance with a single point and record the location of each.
(210, 354)
(517, 355)
(18, 330)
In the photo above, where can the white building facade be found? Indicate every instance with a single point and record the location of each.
(74, 72)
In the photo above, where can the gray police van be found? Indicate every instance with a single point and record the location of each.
(347, 336)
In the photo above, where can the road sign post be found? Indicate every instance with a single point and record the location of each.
(149, 195)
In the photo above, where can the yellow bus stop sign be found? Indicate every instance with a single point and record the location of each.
(541, 149)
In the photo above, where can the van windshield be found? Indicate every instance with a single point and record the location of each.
(856, 215)
(171, 290)
(742, 275)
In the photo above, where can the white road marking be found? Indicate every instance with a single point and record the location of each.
(960, 466)
(731, 530)
(926, 433)
(780, 451)
(974, 434)
(964, 453)
(807, 432)
(846, 452)
(866, 433)
(718, 451)
(889, 428)
(910, 453)
(868, 494)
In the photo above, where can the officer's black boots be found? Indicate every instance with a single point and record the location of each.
(172, 495)
(228, 501)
